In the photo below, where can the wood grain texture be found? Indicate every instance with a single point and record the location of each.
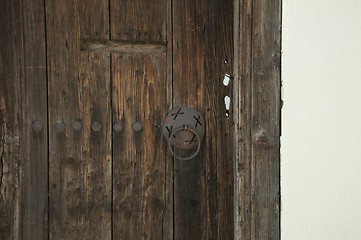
(259, 91)
(11, 113)
(265, 121)
(139, 20)
(142, 165)
(244, 72)
(94, 19)
(203, 54)
(35, 212)
(120, 46)
(79, 90)
(143, 188)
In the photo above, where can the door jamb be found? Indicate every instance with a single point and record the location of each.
(257, 116)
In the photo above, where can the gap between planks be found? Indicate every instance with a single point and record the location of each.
(96, 45)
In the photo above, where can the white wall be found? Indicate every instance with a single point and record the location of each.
(321, 131)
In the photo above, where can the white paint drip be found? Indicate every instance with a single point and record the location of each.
(227, 102)
(226, 79)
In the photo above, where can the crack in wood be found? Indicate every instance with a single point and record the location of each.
(2, 153)
(121, 46)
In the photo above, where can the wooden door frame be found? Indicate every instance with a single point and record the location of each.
(257, 70)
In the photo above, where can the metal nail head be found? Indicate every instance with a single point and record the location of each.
(60, 127)
(118, 127)
(37, 126)
(76, 126)
(137, 126)
(96, 126)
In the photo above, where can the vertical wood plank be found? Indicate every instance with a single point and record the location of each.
(35, 217)
(265, 119)
(11, 112)
(143, 187)
(139, 20)
(168, 219)
(259, 119)
(203, 54)
(244, 139)
(141, 161)
(79, 90)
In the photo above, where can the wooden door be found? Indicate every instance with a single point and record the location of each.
(86, 87)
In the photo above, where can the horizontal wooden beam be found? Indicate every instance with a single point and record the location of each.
(96, 45)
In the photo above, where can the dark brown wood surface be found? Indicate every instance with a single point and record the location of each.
(203, 54)
(128, 61)
(139, 20)
(80, 170)
(243, 72)
(143, 168)
(11, 115)
(140, 158)
(122, 46)
(259, 118)
(35, 218)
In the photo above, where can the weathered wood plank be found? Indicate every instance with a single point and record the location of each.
(265, 119)
(139, 20)
(168, 221)
(259, 120)
(203, 54)
(94, 19)
(244, 139)
(141, 162)
(122, 46)
(11, 113)
(142, 173)
(35, 212)
(79, 90)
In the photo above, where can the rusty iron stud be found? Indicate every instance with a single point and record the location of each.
(96, 126)
(37, 126)
(76, 126)
(118, 127)
(137, 126)
(60, 127)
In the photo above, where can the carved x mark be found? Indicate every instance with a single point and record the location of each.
(197, 119)
(192, 140)
(169, 131)
(177, 113)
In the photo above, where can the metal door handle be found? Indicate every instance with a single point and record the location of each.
(184, 129)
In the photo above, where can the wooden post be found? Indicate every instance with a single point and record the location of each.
(258, 39)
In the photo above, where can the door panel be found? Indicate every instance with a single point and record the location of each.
(203, 54)
(79, 90)
(116, 61)
(139, 20)
(140, 158)
(142, 168)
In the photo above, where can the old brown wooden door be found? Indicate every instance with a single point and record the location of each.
(89, 65)
(130, 61)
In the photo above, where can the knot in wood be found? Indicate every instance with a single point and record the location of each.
(262, 138)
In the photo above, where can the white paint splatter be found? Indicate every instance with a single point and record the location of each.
(226, 79)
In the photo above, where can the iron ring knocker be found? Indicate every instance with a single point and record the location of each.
(185, 128)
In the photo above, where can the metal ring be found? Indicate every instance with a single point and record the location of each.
(187, 129)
